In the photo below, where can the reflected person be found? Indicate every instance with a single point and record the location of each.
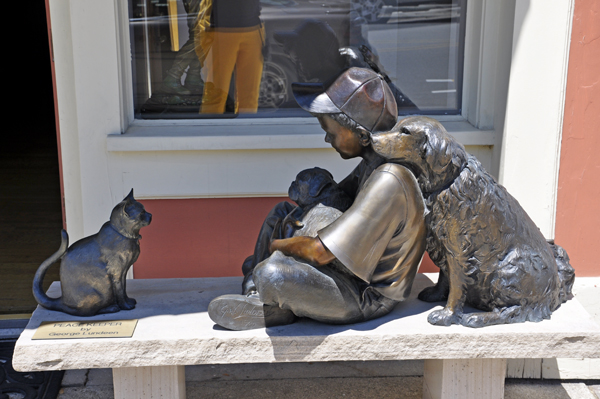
(230, 37)
(379, 240)
(186, 60)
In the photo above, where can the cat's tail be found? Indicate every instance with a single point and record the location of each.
(38, 290)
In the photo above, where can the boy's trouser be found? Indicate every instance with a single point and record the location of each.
(261, 249)
(328, 294)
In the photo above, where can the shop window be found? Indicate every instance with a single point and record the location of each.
(239, 58)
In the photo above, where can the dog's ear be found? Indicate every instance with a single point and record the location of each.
(456, 161)
(318, 184)
(323, 171)
(425, 147)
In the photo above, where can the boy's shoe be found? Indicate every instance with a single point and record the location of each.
(240, 312)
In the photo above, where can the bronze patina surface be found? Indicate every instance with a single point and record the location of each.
(361, 264)
(93, 270)
(360, 94)
(490, 253)
(311, 187)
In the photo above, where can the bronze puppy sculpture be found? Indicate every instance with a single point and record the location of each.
(314, 187)
(490, 253)
(320, 201)
(93, 270)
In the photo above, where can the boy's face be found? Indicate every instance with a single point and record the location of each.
(343, 140)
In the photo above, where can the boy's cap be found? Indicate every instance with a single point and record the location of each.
(359, 93)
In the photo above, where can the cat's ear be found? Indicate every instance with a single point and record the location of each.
(129, 197)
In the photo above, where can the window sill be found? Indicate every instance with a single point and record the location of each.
(252, 134)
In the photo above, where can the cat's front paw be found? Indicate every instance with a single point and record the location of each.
(110, 309)
(127, 304)
(443, 317)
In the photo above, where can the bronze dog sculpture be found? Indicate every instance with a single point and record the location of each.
(93, 270)
(490, 253)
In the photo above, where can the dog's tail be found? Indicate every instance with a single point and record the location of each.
(38, 290)
(566, 273)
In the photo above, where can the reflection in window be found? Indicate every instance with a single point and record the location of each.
(229, 58)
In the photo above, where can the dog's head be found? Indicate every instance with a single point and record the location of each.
(309, 185)
(424, 146)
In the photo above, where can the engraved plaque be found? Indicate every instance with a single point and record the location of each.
(85, 329)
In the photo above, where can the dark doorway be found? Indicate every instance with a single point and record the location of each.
(30, 198)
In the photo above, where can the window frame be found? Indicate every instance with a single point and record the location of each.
(473, 126)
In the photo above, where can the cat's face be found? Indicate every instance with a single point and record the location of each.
(129, 216)
(137, 213)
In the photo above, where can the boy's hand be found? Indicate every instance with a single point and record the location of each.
(311, 249)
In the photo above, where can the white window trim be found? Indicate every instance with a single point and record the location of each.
(255, 134)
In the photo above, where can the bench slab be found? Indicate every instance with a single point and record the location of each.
(174, 329)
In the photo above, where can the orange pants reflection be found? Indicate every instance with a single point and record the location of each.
(232, 48)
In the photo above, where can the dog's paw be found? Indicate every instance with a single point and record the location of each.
(433, 294)
(443, 317)
(130, 301)
(475, 320)
(498, 316)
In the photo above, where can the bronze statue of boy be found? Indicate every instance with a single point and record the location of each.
(361, 265)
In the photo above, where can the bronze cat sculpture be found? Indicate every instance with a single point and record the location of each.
(93, 270)
(490, 253)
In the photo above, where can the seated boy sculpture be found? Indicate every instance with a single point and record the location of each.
(361, 265)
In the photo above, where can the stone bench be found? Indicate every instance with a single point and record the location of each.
(174, 330)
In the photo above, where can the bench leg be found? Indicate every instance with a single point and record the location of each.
(149, 382)
(464, 378)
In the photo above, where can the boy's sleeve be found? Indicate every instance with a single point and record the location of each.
(360, 236)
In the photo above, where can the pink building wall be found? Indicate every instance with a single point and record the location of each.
(578, 201)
